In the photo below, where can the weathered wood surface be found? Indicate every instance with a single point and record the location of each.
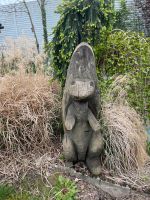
(80, 106)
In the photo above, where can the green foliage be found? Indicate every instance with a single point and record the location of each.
(35, 189)
(30, 185)
(6, 191)
(64, 189)
(148, 148)
(23, 196)
(127, 18)
(126, 53)
(122, 15)
(80, 21)
(61, 157)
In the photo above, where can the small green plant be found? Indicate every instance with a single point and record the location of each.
(148, 148)
(23, 196)
(61, 157)
(30, 185)
(145, 178)
(6, 191)
(64, 189)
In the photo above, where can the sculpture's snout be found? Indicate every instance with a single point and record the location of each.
(82, 89)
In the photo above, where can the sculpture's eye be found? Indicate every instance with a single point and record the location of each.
(73, 83)
(92, 83)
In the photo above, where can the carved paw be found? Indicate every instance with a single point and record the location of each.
(98, 130)
(69, 123)
(95, 170)
(94, 166)
(69, 164)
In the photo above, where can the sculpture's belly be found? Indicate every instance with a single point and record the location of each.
(81, 135)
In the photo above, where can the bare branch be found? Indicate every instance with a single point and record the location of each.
(32, 24)
(15, 7)
(41, 2)
(38, 1)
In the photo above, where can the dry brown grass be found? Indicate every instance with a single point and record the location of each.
(20, 53)
(125, 137)
(29, 111)
(30, 114)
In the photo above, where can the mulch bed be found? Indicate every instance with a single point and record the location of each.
(52, 161)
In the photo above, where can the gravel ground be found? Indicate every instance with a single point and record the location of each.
(45, 164)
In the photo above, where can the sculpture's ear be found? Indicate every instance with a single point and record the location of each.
(70, 119)
(93, 121)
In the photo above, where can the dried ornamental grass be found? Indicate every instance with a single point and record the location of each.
(21, 53)
(125, 136)
(29, 111)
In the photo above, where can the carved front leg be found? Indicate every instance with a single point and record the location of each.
(93, 121)
(70, 119)
(69, 150)
(68, 144)
(95, 146)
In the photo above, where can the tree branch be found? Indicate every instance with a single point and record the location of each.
(32, 24)
(39, 3)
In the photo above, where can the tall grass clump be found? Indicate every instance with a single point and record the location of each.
(20, 53)
(29, 111)
(124, 133)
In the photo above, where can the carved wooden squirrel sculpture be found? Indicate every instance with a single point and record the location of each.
(82, 139)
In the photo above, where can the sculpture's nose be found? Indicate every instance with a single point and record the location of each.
(82, 89)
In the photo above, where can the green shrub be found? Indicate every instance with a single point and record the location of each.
(122, 14)
(6, 191)
(64, 189)
(80, 21)
(126, 53)
(126, 18)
